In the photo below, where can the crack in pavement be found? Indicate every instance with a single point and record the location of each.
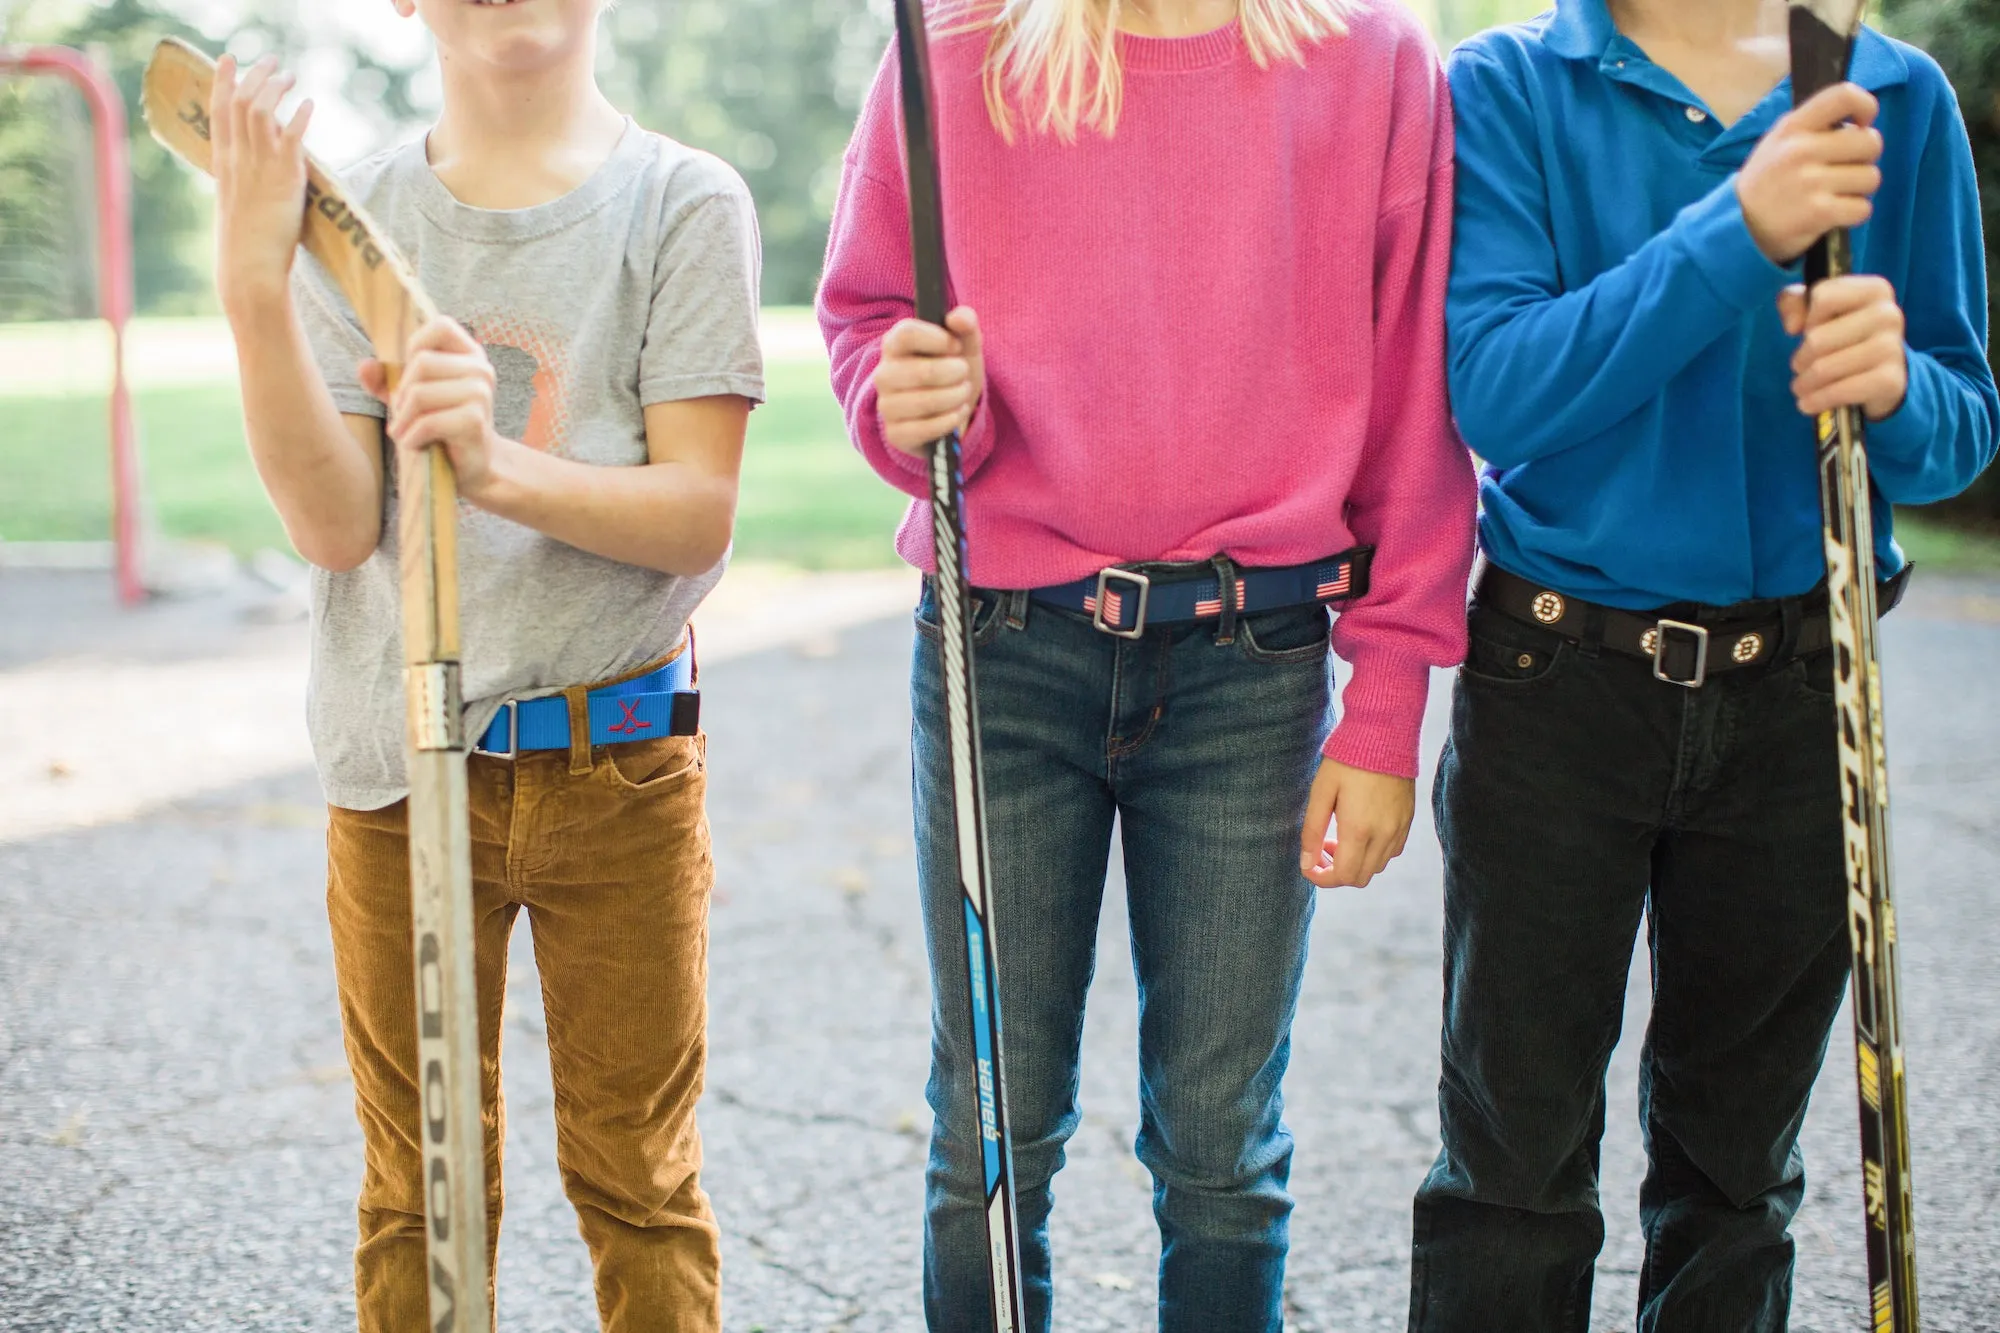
(766, 1256)
(804, 1119)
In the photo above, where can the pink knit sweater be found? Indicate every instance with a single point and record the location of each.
(1220, 330)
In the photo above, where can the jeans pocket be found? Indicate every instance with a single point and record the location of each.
(985, 614)
(1295, 636)
(1502, 651)
(1814, 675)
(653, 765)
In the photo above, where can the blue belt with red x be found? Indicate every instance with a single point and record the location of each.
(1123, 602)
(662, 703)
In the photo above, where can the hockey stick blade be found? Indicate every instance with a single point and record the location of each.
(954, 600)
(391, 306)
(337, 232)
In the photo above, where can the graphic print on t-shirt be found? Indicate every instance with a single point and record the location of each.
(531, 364)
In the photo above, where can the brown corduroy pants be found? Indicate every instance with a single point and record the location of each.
(608, 850)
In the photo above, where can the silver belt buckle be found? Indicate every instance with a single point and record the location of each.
(512, 710)
(1136, 580)
(1700, 636)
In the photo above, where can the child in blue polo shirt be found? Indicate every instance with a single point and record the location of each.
(1632, 357)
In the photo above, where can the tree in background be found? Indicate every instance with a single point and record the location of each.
(770, 86)
(1459, 19)
(170, 209)
(34, 148)
(1964, 35)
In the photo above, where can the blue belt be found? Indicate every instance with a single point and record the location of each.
(1123, 602)
(663, 703)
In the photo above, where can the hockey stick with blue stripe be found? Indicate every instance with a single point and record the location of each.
(1823, 36)
(954, 600)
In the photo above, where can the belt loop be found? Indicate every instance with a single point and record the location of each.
(1225, 583)
(578, 697)
(1017, 609)
(1593, 631)
(1791, 621)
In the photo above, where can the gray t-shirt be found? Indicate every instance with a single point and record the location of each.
(639, 287)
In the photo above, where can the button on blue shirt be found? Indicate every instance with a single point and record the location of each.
(1616, 353)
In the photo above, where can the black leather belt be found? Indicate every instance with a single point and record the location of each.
(1685, 643)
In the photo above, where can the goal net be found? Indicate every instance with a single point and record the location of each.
(69, 493)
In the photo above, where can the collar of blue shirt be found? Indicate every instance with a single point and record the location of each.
(1583, 30)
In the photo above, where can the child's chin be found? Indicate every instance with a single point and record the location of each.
(518, 36)
(522, 47)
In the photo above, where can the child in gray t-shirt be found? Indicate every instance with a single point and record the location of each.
(593, 390)
(637, 288)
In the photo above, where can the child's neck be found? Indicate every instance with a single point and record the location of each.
(518, 141)
(1730, 53)
(1175, 18)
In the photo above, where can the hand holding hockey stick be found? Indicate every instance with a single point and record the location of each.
(1823, 35)
(1814, 172)
(391, 306)
(954, 599)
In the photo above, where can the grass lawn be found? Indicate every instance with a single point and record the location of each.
(807, 497)
(807, 500)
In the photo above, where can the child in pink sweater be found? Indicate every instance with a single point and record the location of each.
(1203, 398)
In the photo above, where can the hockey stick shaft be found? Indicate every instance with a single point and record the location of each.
(954, 601)
(391, 306)
(1823, 37)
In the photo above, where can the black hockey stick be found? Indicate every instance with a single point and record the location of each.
(1823, 34)
(954, 601)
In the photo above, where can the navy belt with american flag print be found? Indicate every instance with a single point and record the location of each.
(1126, 599)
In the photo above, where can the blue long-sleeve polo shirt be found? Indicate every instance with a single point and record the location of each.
(1617, 358)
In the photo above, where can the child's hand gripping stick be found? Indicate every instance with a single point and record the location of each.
(391, 306)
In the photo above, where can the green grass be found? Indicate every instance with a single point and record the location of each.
(55, 469)
(808, 499)
(1938, 547)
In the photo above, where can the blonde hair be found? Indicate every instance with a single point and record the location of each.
(1059, 58)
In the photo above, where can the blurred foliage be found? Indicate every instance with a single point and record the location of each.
(1459, 19)
(771, 86)
(1964, 35)
(45, 192)
(166, 251)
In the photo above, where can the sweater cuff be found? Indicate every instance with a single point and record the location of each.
(975, 442)
(1382, 715)
(1905, 436)
(1718, 240)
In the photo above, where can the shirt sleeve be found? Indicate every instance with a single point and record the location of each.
(702, 338)
(1535, 368)
(869, 287)
(339, 344)
(1414, 496)
(1944, 435)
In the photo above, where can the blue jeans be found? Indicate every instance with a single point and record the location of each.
(1201, 741)
(1577, 797)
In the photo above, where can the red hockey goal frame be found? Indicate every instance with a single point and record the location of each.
(114, 279)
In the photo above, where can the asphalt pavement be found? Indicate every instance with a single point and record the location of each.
(178, 1150)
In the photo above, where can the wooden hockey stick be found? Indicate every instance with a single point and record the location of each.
(954, 602)
(392, 306)
(1823, 34)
